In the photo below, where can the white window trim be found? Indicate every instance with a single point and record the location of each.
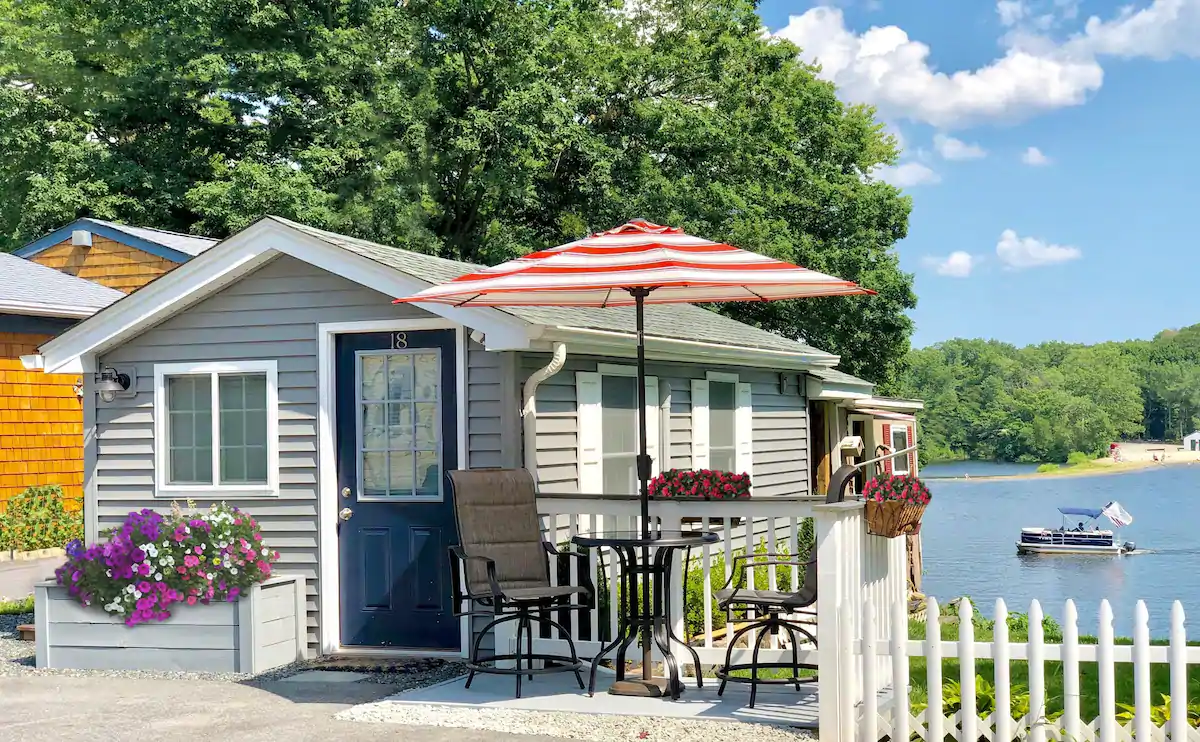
(589, 412)
(743, 420)
(892, 445)
(163, 488)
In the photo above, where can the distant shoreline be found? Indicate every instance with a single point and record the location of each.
(1099, 468)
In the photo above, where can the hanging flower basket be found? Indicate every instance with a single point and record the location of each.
(895, 505)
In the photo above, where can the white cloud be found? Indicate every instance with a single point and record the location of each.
(1036, 73)
(1034, 156)
(1029, 252)
(1011, 11)
(957, 264)
(956, 149)
(906, 174)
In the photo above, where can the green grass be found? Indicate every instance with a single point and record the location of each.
(1160, 673)
(17, 606)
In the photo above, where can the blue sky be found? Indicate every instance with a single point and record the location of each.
(1090, 235)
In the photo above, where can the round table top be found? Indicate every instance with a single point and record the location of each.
(657, 538)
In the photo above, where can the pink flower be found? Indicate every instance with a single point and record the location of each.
(191, 561)
(197, 549)
(258, 537)
(191, 600)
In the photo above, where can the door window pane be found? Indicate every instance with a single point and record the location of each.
(189, 429)
(399, 436)
(722, 425)
(899, 443)
(242, 404)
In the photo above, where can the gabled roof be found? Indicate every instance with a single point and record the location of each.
(678, 331)
(29, 288)
(673, 321)
(173, 246)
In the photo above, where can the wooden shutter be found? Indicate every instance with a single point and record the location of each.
(744, 430)
(699, 423)
(589, 421)
(887, 441)
(653, 423)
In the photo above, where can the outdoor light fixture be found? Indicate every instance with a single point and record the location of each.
(110, 382)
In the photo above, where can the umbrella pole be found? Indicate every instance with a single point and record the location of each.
(643, 469)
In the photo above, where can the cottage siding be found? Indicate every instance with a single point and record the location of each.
(780, 424)
(272, 314)
(107, 262)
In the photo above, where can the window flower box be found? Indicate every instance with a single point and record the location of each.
(701, 485)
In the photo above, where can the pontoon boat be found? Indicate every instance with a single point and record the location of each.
(1085, 537)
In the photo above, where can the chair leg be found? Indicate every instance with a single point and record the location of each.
(479, 641)
(517, 654)
(529, 644)
(763, 634)
(733, 640)
(570, 645)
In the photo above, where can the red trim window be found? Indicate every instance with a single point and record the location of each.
(900, 438)
(887, 441)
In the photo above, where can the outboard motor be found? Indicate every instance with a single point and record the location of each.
(1128, 546)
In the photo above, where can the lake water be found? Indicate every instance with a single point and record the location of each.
(971, 527)
(960, 469)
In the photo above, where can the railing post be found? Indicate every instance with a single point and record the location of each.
(839, 598)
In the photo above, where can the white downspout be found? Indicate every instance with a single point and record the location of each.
(529, 406)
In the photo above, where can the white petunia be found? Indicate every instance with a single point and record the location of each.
(130, 588)
(233, 570)
(209, 576)
(108, 573)
(265, 551)
(158, 577)
(137, 594)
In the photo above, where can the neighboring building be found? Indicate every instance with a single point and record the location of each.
(274, 372)
(1192, 442)
(114, 255)
(41, 418)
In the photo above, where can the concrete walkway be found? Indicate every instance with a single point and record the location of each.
(44, 708)
(18, 578)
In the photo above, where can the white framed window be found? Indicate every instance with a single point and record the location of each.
(722, 423)
(607, 417)
(899, 442)
(216, 428)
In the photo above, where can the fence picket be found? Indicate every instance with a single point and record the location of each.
(1179, 673)
(1070, 668)
(870, 727)
(966, 663)
(1003, 713)
(934, 713)
(1141, 671)
(900, 729)
(1104, 661)
(1037, 681)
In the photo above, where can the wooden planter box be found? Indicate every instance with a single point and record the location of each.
(264, 629)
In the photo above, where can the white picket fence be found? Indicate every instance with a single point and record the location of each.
(888, 715)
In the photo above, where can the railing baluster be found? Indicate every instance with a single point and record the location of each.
(966, 664)
(707, 588)
(1141, 674)
(1107, 722)
(1072, 724)
(594, 575)
(794, 547)
(572, 532)
(1179, 674)
(1037, 684)
(870, 689)
(935, 715)
(1002, 716)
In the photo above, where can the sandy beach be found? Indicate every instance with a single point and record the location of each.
(1134, 457)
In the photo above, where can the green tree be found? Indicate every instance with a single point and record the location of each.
(473, 129)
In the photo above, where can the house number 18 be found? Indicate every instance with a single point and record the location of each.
(399, 340)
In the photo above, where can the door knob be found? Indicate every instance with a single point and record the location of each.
(345, 491)
(346, 513)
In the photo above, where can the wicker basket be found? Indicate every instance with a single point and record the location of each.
(893, 518)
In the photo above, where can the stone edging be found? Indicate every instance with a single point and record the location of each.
(22, 556)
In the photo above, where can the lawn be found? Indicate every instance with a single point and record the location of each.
(1160, 673)
(16, 606)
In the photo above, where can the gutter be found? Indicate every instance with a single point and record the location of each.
(39, 309)
(529, 404)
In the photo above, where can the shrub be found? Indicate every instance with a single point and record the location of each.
(152, 562)
(36, 519)
(1047, 468)
(709, 483)
(1078, 458)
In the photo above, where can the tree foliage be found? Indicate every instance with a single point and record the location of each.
(473, 129)
(990, 400)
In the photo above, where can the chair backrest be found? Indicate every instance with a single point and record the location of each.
(807, 594)
(497, 516)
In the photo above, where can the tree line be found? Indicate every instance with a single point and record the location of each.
(478, 130)
(985, 399)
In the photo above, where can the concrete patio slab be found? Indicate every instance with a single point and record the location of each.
(325, 676)
(776, 705)
(18, 578)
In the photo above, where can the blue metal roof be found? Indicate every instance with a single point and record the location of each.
(1087, 512)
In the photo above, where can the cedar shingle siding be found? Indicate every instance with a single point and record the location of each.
(106, 262)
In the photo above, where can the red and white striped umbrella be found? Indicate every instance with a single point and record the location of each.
(603, 269)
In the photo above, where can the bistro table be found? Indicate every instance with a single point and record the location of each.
(656, 554)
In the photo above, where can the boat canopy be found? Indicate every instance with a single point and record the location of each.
(1086, 512)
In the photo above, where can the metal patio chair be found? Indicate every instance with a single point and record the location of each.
(501, 569)
(778, 610)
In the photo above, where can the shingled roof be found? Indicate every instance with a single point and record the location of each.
(29, 288)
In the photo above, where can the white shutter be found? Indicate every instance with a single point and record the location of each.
(744, 430)
(699, 423)
(653, 424)
(590, 435)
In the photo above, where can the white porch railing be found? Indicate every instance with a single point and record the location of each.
(851, 567)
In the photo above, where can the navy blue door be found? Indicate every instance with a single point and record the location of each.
(397, 438)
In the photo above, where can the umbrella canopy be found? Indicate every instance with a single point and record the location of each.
(602, 270)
